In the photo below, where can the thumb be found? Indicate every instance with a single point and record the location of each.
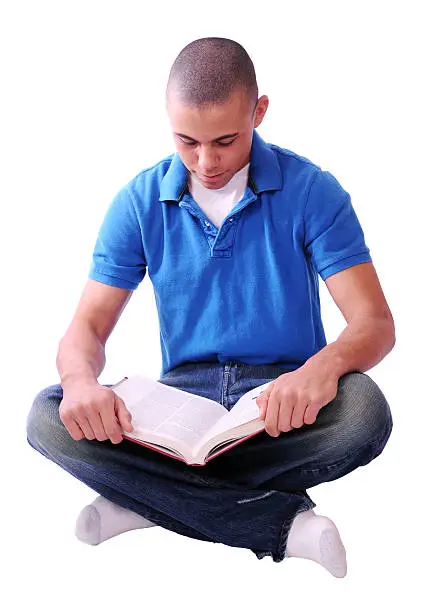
(262, 401)
(123, 415)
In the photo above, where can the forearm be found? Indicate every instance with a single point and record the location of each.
(81, 356)
(361, 345)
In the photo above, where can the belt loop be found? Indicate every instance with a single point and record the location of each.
(225, 383)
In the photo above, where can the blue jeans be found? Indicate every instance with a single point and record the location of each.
(246, 497)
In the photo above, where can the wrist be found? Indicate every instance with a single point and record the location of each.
(330, 360)
(75, 379)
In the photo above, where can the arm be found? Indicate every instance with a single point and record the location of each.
(88, 409)
(81, 351)
(370, 334)
(368, 337)
(335, 244)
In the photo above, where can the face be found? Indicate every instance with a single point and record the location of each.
(214, 142)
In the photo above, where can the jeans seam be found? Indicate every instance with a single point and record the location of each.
(251, 499)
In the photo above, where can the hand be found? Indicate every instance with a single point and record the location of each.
(93, 411)
(295, 398)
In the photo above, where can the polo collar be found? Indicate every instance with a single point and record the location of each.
(264, 172)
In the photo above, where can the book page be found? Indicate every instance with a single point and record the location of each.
(190, 422)
(167, 411)
(243, 411)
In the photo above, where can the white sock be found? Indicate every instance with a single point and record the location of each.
(103, 519)
(317, 538)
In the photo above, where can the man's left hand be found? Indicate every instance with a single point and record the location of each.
(295, 398)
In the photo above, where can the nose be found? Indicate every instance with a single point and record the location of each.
(207, 160)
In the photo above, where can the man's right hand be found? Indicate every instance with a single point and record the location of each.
(90, 410)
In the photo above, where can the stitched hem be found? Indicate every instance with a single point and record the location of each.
(280, 552)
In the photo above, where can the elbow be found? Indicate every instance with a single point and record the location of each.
(391, 341)
(60, 344)
(390, 335)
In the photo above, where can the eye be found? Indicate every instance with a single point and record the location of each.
(225, 144)
(188, 143)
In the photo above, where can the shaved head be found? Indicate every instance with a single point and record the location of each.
(208, 70)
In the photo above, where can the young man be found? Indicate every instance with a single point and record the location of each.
(233, 232)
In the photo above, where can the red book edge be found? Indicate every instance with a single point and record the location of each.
(194, 464)
(179, 458)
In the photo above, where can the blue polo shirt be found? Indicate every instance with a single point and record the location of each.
(247, 292)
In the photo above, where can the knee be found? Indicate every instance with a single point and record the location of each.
(363, 408)
(43, 418)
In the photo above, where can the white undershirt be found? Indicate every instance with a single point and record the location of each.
(217, 203)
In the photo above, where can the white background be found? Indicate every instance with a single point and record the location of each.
(351, 88)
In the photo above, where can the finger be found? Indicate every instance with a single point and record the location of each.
(85, 426)
(111, 424)
(263, 400)
(285, 414)
(271, 420)
(262, 403)
(74, 430)
(69, 422)
(123, 415)
(310, 414)
(297, 419)
(97, 426)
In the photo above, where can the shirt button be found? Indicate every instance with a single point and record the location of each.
(230, 220)
(207, 223)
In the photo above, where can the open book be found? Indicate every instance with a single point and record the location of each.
(185, 426)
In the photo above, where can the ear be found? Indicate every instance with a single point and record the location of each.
(260, 110)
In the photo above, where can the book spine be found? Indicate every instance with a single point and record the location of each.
(157, 450)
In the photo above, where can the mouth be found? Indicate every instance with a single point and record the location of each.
(211, 178)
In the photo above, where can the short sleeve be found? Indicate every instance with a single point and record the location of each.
(118, 258)
(334, 239)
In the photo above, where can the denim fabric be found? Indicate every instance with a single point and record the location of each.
(248, 496)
